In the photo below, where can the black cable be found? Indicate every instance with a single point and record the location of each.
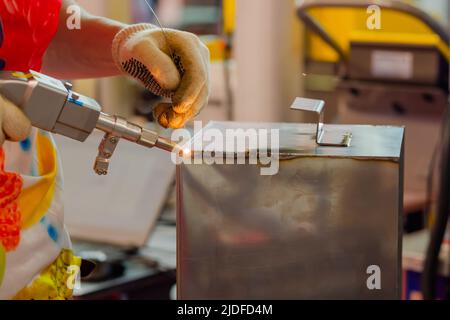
(431, 265)
(429, 186)
(430, 175)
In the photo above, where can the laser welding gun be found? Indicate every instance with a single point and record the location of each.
(51, 105)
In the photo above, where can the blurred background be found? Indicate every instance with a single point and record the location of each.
(265, 53)
(258, 44)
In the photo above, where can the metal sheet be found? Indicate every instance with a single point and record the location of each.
(299, 139)
(311, 231)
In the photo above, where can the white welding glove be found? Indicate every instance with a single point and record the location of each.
(170, 63)
(15, 125)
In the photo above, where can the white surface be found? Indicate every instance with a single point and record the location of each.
(268, 54)
(122, 207)
(217, 109)
(392, 64)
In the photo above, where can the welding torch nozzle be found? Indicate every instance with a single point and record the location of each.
(121, 128)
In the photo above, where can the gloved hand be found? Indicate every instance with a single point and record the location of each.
(14, 124)
(170, 63)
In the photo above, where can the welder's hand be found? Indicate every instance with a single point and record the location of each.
(170, 63)
(14, 124)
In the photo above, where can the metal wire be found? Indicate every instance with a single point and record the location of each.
(161, 27)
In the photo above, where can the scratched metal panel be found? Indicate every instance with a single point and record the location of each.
(309, 232)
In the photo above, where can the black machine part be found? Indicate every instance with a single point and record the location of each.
(431, 267)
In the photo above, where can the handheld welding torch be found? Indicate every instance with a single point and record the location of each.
(51, 105)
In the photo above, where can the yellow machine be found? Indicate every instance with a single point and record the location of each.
(398, 26)
(392, 62)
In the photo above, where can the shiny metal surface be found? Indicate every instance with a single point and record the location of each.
(148, 138)
(299, 139)
(323, 137)
(124, 129)
(117, 128)
(309, 232)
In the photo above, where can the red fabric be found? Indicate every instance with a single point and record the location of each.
(26, 29)
(28, 26)
(10, 216)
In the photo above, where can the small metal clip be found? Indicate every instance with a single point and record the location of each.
(105, 152)
(323, 138)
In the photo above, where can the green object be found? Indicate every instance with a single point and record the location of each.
(198, 15)
(318, 82)
(2, 263)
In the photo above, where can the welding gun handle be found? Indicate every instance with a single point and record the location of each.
(51, 105)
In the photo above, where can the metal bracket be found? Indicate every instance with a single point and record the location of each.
(323, 138)
(105, 152)
(108, 146)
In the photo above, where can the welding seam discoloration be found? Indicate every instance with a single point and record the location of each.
(290, 157)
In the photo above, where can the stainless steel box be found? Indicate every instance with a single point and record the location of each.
(315, 230)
